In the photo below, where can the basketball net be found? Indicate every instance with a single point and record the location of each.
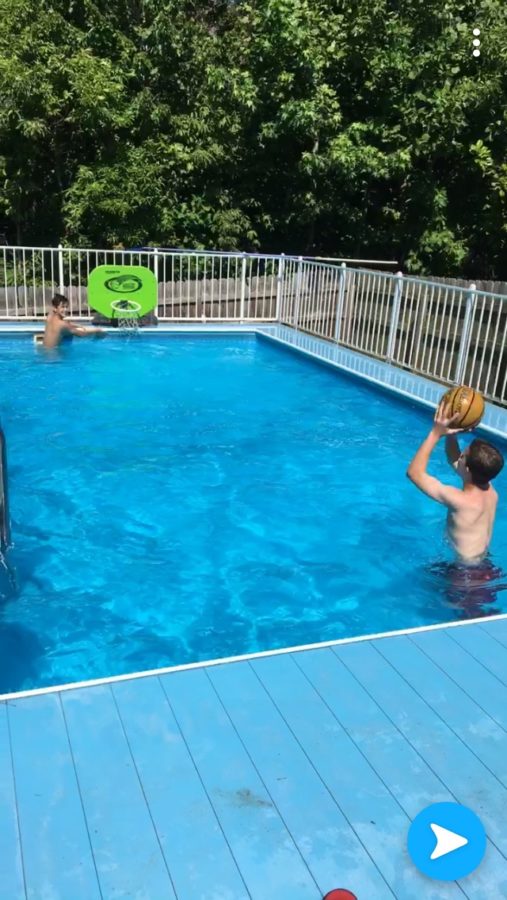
(128, 324)
(128, 315)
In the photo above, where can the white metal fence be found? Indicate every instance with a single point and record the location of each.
(451, 334)
(445, 332)
(192, 286)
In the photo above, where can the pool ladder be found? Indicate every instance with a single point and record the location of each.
(5, 527)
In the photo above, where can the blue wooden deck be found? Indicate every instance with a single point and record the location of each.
(276, 778)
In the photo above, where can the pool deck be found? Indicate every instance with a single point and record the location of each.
(274, 777)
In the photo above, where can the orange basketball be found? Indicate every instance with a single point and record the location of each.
(468, 403)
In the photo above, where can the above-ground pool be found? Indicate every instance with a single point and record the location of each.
(180, 498)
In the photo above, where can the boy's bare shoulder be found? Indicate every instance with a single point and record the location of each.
(482, 499)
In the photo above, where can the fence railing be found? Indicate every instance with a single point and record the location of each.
(446, 332)
(191, 286)
(451, 334)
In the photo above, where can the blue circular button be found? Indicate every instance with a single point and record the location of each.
(446, 841)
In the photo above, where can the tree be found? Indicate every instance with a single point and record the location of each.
(336, 127)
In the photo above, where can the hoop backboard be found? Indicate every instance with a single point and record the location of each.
(121, 292)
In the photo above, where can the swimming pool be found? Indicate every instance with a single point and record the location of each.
(180, 498)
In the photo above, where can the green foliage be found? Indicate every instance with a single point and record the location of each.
(350, 128)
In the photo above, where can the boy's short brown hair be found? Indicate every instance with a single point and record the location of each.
(58, 299)
(484, 462)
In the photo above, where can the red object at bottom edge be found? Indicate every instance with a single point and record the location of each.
(340, 894)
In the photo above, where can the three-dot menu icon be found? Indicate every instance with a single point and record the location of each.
(476, 42)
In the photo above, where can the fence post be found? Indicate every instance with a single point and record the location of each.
(295, 322)
(466, 334)
(243, 289)
(155, 270)
(279, 286)
(339, 302)
(395, 315)
(15, 280)
(61, 287)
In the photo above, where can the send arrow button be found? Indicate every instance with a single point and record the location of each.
(447, 841)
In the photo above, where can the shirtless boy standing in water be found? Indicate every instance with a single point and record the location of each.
(470, 510)
(58, 329)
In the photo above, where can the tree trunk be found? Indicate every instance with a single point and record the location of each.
(310, 236)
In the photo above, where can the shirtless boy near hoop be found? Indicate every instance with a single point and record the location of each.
(59, 329)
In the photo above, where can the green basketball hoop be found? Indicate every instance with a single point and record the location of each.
(122, 293)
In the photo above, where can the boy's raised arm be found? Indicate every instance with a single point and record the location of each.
(452, 450)
(417, 470)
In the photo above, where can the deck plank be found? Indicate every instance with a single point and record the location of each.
(403, 776)
(57, 855)
(199, 858)
(479, 683)
(478, 731)
(12, 885)
(497, 629)
(388, 751)
(407, 773)
(330, 847)
(460, 713)
(467, 778)
(264, 849)
(126, 848)
(484, 648)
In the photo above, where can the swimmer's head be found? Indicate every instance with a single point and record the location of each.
(60, 304)
(480, 463)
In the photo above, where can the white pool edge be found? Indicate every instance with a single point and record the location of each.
(261, 654)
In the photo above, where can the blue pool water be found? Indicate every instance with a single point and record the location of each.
(175, 499)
